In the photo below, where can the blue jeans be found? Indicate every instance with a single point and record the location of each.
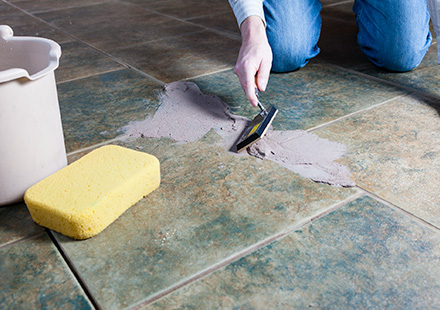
(393, 34)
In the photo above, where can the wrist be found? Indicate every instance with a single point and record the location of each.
(251, 27)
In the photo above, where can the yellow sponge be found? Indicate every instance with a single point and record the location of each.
(82, 199)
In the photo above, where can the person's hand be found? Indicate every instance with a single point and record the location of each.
(254, 59)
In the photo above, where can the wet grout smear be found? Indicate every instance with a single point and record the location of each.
(186, 115)
(306, 154)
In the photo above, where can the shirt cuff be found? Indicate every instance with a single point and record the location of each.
(245, 8)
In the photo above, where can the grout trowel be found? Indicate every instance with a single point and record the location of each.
(258, 126)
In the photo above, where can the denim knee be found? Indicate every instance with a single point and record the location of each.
(401, 56)
(293, 29)
(289, 56)
(393, 34)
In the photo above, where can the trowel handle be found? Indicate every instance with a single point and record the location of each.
(257, 93)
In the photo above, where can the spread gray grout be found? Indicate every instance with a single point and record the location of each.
(186, 114)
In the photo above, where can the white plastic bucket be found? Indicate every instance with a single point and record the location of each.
(31, 135)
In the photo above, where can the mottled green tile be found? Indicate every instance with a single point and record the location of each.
(105, 26)
(174, 59)
(424, 78)
(305, 98)
(94, 108)
(394, 152)
(16, 223)
(362, 256)
(35, 276)
(210, 205)
(78, 61)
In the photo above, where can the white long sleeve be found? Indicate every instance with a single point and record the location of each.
(245, 8)
(434, 11)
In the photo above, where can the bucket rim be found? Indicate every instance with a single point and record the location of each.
(54, 54)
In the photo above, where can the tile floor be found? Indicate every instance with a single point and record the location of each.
(226, 231)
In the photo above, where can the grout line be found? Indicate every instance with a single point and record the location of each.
(338, 205)
(401, 210)
(73, 269)
(188, 21)
(337, 3)
(249, 250)
(212, 15)
(346, 116)
(144, 74)
(210, 270)
(117, 60)
(225, 34)
(90, 75)
(94, 146)
(55, 9)
(209, 73)
(391, 83)
(8, 244)
(175, 36)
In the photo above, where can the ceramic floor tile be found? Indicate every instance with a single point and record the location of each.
(16, 223)
(79, 61)
(105, 26)
(210, 205)
(341, 10)
(338, 40)
(422, 79)
(338, 44)
(185, 9)
(362, 256)
(93, 109)
(96, 14)
(10, 15)
(306, 98)
(224, 22)
(393, 151)
(39, 29)
(51, 5)
(24, 25)
(41, 279)
(174, 59)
